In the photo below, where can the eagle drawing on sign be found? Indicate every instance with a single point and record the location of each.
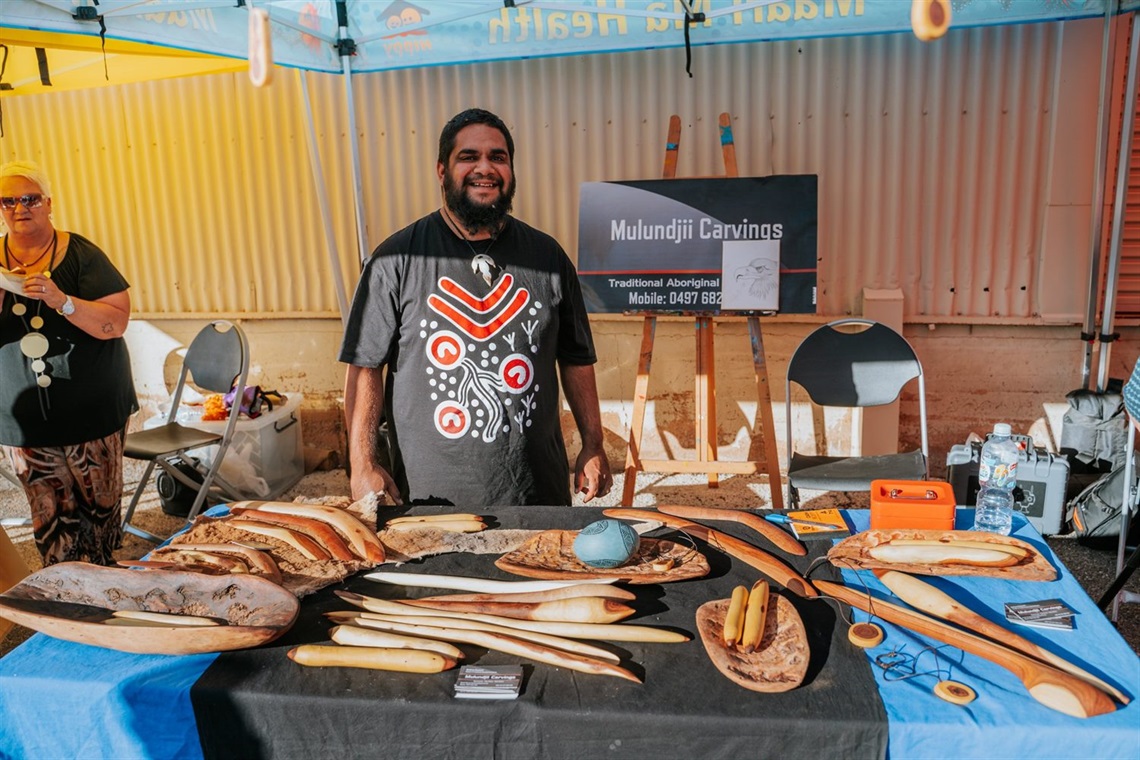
(759, 276)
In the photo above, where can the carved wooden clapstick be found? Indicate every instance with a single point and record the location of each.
(1051, 687)
(766, 529)
(923, 596)
(580, 610)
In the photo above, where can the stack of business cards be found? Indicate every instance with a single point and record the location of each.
(808, 524)
(1049, 613)
(489, 681)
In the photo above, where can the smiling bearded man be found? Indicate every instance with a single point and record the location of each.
(471, 312)
(470, 213)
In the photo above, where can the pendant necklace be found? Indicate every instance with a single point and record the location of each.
(481, 263)
(9, 257)
(35, 344)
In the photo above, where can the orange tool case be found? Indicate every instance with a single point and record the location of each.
(912, 504)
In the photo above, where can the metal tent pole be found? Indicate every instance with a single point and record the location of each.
(1124, 164)
(323, 200)
(347, 49)
(1108, 45)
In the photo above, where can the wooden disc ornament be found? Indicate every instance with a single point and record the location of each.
(930, 18)
(865, 635)
(955, 692)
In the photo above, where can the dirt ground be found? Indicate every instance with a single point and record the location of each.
(1093, 568)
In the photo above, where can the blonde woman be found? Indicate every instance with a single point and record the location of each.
(66, 390)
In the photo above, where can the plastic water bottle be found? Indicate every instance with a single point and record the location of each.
(994, 511)
(997, 477)
(997, 465)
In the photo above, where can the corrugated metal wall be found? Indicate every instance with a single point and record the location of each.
(1128, 287)
(1128, 284)
(198, 188)
(933, 160)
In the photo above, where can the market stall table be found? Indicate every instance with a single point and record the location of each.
(62, 699)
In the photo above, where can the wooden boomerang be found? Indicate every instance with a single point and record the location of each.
(923, 596)
(1051, 687)
(775, 569)
(780, 538)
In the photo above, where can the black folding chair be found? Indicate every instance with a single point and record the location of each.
(841, 368)
(217, 360)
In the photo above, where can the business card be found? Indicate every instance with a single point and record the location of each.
(1047, 613)
(489, 681)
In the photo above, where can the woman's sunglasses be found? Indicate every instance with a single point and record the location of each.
(32, 200)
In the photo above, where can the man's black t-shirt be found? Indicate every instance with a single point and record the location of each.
(472, 393)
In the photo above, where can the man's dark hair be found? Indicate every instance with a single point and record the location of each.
(466, 119)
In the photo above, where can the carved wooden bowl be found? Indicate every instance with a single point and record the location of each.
(852, 553)
(72, 599)
(779, 664)
(550, 556)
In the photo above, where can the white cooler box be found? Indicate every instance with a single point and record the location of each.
(267, 455)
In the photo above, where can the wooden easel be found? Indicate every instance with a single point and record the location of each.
(705, 397)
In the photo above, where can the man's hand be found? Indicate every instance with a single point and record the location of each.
(592, 470)
(592, 473)
(374, 479)
(363, 404)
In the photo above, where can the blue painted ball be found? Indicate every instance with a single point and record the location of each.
(606, 543)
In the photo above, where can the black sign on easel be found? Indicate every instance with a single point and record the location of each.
(735, 245)
(705, 391)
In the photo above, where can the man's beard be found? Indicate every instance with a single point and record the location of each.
(474, 216)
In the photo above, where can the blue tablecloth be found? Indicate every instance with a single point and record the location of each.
(60, 699)
(1004, 721)
(65, 700)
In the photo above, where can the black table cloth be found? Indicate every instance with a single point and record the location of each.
(258, 704)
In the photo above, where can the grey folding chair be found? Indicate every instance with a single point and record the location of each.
(842, 368)
(217, 360)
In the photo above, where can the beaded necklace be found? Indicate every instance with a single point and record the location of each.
(35, 344)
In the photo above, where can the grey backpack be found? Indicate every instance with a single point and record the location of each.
(1095, 512)
(1094, 431)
